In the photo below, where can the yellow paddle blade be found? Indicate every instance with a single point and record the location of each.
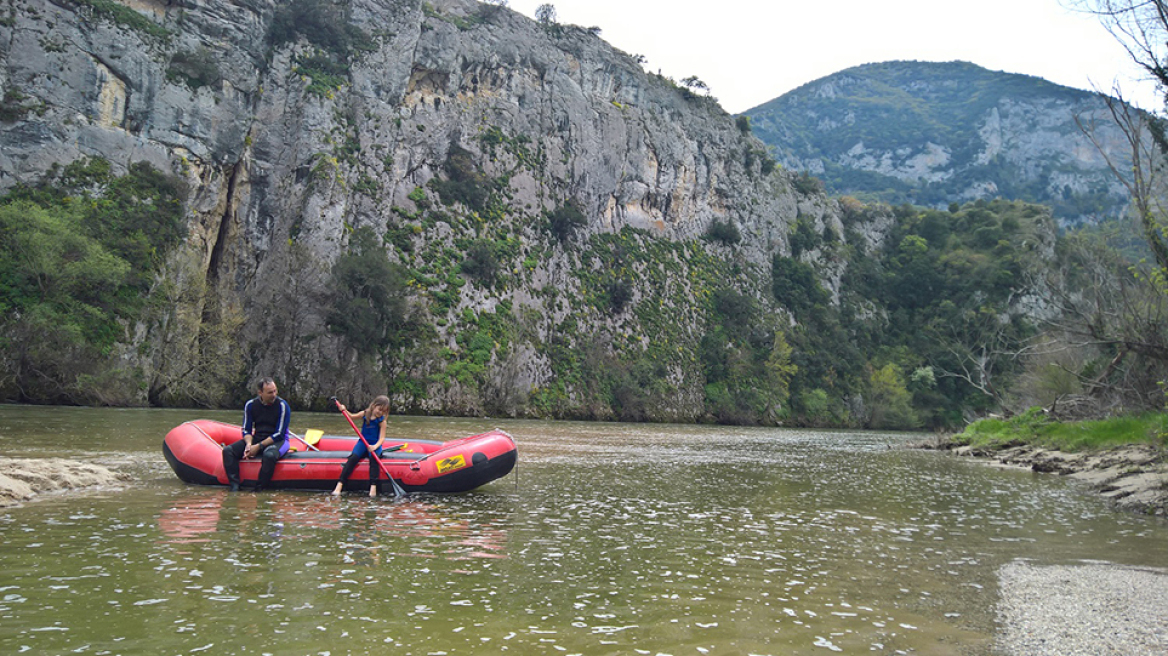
(312, 436)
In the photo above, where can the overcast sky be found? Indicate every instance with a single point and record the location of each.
(751, 51)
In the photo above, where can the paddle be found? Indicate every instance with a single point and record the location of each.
(397, 490)
(307, 439)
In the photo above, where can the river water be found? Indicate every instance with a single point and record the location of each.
(607, 539)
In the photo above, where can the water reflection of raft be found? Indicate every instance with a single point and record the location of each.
(194, 451)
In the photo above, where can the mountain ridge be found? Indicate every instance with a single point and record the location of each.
(931, 133)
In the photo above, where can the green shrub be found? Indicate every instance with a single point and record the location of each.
(803, 238)
(566, 220)
(122, 15)
(723, 232)
(369, 307)
(808, 185)
(794, 285)
(325, 72)
(464, 182)
(322, 23)
(194, 69)
(620, 294)
(482, 263)
(12, 108)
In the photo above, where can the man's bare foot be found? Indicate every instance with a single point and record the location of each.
(337, 490)
(373, 491)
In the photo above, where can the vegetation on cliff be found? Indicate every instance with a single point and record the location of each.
(482, 215)
(78, 255)
(923, 332)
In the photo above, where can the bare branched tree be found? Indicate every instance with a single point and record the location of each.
(1099, 307)
(1119, 309)
(1143, 175)
(1141, 27)
(983, 351)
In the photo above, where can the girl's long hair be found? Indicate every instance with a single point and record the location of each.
(379, 402)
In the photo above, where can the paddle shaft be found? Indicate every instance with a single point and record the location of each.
(397, 490)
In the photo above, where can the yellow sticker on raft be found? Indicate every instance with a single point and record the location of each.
(451, 463)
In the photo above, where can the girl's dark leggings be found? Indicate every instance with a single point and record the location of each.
(351, 464)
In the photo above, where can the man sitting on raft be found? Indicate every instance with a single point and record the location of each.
(265, 433)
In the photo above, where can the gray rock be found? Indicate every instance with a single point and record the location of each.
(282, 169)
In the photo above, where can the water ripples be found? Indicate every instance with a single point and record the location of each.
(610, 540)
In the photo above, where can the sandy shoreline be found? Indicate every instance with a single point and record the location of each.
(22, 479)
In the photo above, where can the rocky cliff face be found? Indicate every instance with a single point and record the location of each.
(935, 133)
(434, 125)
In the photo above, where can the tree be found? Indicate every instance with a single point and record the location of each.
(566, 220)
(1119, 320)
(985, 349)
(546, 15)
(889, 400)
(62, 295)
(1141, 27)
(79, 254)
(482, 262)
(695, 86)
(779, 372)
(723, 232)
(1128, 321)
(492, 7)
(369, 299)
(1143, 175)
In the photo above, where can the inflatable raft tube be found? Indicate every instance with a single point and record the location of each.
(194, 451)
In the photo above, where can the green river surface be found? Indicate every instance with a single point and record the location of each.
(607, 539)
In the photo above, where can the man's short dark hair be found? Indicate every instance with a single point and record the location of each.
(264, 383)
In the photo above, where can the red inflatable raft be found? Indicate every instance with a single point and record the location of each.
(195, 452)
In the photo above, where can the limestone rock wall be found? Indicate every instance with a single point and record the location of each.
(281, 172)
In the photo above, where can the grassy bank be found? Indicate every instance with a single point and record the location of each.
(1034, 427)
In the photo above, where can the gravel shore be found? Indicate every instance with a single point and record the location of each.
(1089, 610)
